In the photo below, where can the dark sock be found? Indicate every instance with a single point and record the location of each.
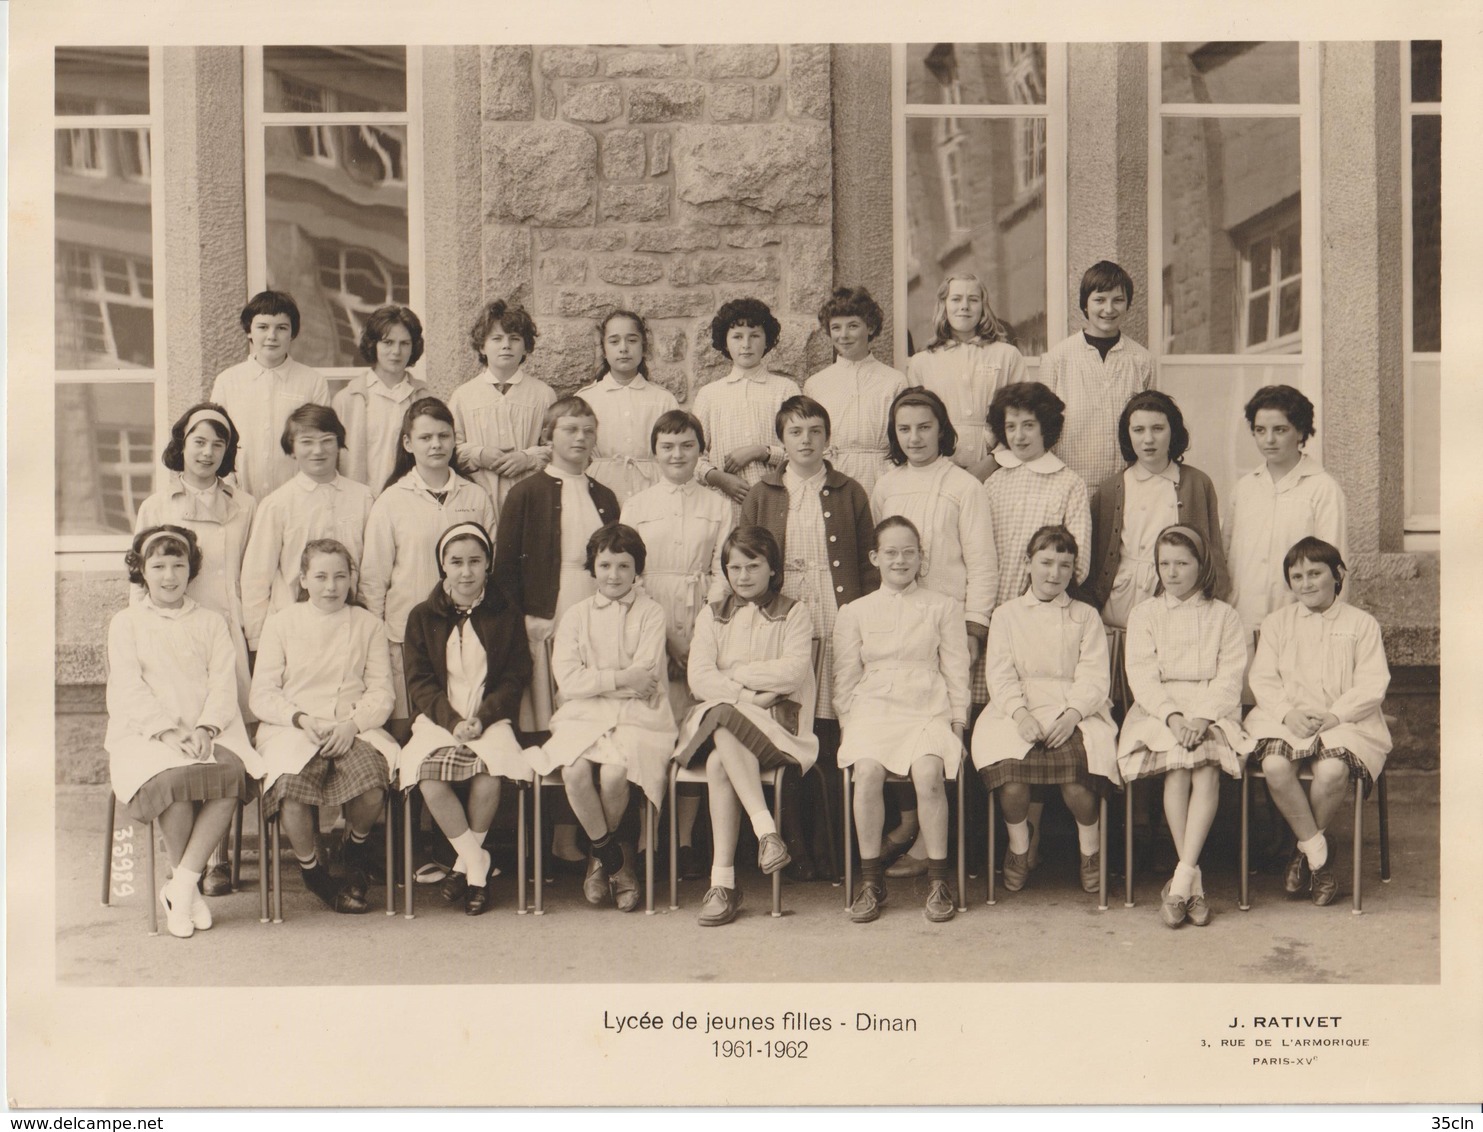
(937, 869)
(870, 871)
(608, 851)
(311, 863)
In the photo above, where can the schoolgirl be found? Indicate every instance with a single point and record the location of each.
(177, 749)
(751, 670)
(901, 690)
(467, 666)
(968, 361)
(627, 404)
(424, 496)
(1047, 720)
(1185, 659)
(322, 688)
(1319, 677)
(371, 406)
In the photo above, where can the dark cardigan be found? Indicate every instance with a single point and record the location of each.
(527, 551)
(848, 526)
(1198, 508)
(499, 626)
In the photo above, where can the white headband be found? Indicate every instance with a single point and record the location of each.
(163, 534)
(206, 415)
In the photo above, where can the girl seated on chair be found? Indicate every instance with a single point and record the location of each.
(1047, 721)
(901, 688)
(1319, 678)
(467, 666)
(1185, 657)
(322, 688)
(613, 718)
(751, 669)
(177, 749)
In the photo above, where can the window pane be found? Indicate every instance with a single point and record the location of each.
(976, 74)
(105, 447)
(1426, 70)
(1230, 72)
(1231, 186)
(329, 80)
(1212, 398)
(105, 252)
(336, 230)
(102, 80)
(1426, 232)
(1424, 423)
(976, 204)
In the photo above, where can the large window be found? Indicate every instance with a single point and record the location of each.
(1421, 150)
(1233, 193)
(980, 148)
(109, 368)
(334, 203)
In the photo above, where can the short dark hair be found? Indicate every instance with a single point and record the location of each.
(134, 561)
(856, 302)
(1288, 401)
(1313, 549)
(1053, 537)
(310, 417)
(674, 422)
(616, 538)
(379, 323)
(892, 522)
(572, 406)
(173, 456)
(1205, 577)
(1104, 275)
(800, 408)
(271, 302)
(919, 398)
(744, 312)
(755, 542)
(1153, 401)
(509, 317)
(1029, 397)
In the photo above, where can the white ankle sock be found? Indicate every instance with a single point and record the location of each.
(468, 845)
(762, 823)
(1019, 836)
(1184, 880)
(1316, 850)
(479, 876)
(1086, 837)
(182, 884)
(723, 878)
(1198, 887)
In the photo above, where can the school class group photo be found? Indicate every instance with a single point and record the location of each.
(911, 579)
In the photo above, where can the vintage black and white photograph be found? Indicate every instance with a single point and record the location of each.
(953, 518)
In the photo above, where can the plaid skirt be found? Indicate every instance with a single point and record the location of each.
(747, 733)
(451, 764)
(1214, 751)
(1283, 749)
(203, 782)
(331, 782)
(1042, 766)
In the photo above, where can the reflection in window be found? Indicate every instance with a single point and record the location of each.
(1426, 232)
(1231, 234)
(105, 456)
(975, 74)
(334, 80)
(1230, 72)
(357, 281)
(102, 80)
(105, 310)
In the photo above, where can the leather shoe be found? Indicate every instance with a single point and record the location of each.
(1325, 880)
(690, 865)
(891, 849)
(801, 870)
(476, 900)
(595, 883)
(1091, 872)
(868, 903)
(1298, 874)
(940, 906)
(338, 897)
(1172, 909)
(720, 907)
(1197, 910)
(772, 854)
(217, 881)
(908, 866)
(452, 887)
(1016, 870)
(625, 883)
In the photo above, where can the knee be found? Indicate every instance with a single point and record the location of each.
(613, 777)
(1277, 769)
(869, 775)
(1330, 774)
(927, 774)
(577, 774)
(1014, 794)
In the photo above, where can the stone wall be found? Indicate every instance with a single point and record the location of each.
(664, 180)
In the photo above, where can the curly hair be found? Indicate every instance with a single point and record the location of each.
(134, 561)
(853, 302)
(989, 328)
(1029, 397)
(1288, 401)
(509, 317)
(379, 323)
(744, 312)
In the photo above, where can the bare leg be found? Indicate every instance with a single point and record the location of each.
(1176, 805)
(725, 814)
(1014, 801)
(869, 805)
(211, 824)
(927, 774)
(1287, 793)
(1204, 798)
(741, 769)
(581, 792)
(298, 820)
(614, 780)
(483, 801)
(362, 811)
(1330, 785)
(687, 807)
(1081, 802)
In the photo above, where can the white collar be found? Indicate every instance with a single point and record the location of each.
(1062, 599)
(306, 483)
(1306, 466)
(185, 607)
(1046, 464)
(1143, 475)
(627, 600)
(398, 392)
(688, 487)
(515, 378)
(1328, 614)
(757, 376)
(611, 384)
(414, 480)
(564, 477)
(794, 482)
(1192, 600)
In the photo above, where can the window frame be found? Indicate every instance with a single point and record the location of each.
(1422, 530)
(102, 551)
(1053, 113)
(257, 121)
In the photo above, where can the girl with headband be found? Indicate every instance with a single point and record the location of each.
(1185, 657)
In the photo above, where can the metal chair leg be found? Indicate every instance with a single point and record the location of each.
(1359, 846)
(389, 817)
(651, 816)
(991, 847)
(108, 850)
(674, 840)
(1384, 800)
(777, 817)
(1244, 902)
(277, 827)
(521, 860)
(262, 863)
(237, 845)
(1102, 854)
(848, 821)
(409, 884)
(153, 899)
(962, 848)
(1128, 844)
(540, 846)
